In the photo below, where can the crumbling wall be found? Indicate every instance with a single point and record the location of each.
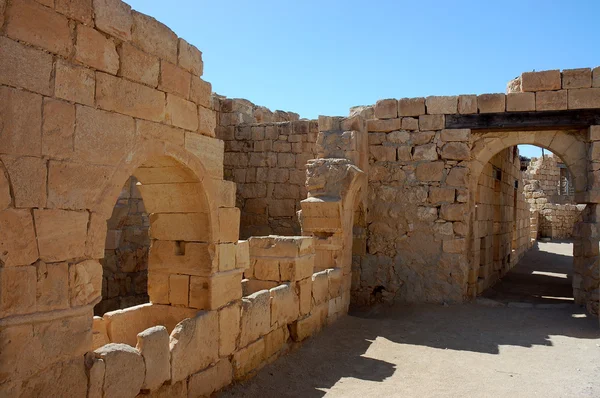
(265, 155)
(502, 218)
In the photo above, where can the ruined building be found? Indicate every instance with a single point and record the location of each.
(124, 181)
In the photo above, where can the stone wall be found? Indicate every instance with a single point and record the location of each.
(125, 262)
(265, 155)
(502, 218)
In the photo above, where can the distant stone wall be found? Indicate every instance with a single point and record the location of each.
(265, 155)
(125, 263)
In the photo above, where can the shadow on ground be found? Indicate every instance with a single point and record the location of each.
(339, 351)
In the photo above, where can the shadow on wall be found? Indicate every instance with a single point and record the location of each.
(342, 352)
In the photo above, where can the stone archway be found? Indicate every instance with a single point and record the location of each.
(569, 145)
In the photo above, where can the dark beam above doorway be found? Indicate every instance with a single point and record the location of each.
(525, 120)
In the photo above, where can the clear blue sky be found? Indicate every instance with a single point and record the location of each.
(322, 57)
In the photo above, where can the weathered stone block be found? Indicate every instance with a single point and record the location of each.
(334, 277)
(18, 290)
(182, 113)
(153, 37)
(79, 10)
(584, 98)
(248, 359)
(266, 269)
(52, 289)
(206, 121)
(28, 177)
(491, 103)
(255, 317)
(200, 92)
(551, 100)
(95, 369)
(225, 287)
(320, 288)
(242, 255)
(199, 335)
(411, 106)
(458, 177)
(457, 246)
(541, 81)
(275, 341)
(386, 109)
(113, 17)
(85, 282)
(179, 286)
(431, 122)
(189, 227)
(133, 99)
(203, 384)
(298, 268)
(124, 370)
(17, 238)
(384, 125)
(138, 66)
(20, 112)
(576, 78)
(74, 83)
(190, 58)
(229, 221)
(309, 325)
(30, 22)
(229, 328)
(285, 305)
(450, 135)
(61, 234)
(456, 151)
(467, 104)
(520, 102)
(430, 171)
(66, 188)
(153, 345)
(174, 80)
(438, 105)
(425, 152)
(95, 50)
(23, 66)
(453, 212)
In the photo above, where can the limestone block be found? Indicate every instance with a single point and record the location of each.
(20, 112)
(595, 77)
(17, 238)
(179, 286)
(491, 103)
(66, 188)
(124, 370)
(153, 37)
(304, 291)
(242, 255)
(95, 50)
(411, 106)
(32, 23)
(295, 269)
(541, 81)
(229, 221)
(520, 102)
(255, 317)
(85, 282)
(199, 335)
(62, 379)
(74, 83)
(174, 80)
(153, 345)
(18, 290)
(210, 380)
(28, 178)
(386, 109)
(60, 243)
(52, 290)
(226, 253)
(275, 341)
(266, 269)
(229, 328)
(431, 122)
(96, 370)
(410, 123)
(138, 66)
(458, 246)
(453, 212)
(584, 98)
(430, 171)
(133, 99)
(425, 152)
(23, 66)
(182, 113)
(102, 137)
(441, 105)
(450, 135)
(551, 100)
(309, 325)
(224, 288)
(190, 58)
(5, 198)
(285, 305)
(467, 104)
(456, 151)
(209, 150)
(320, 288)
(458, 177)
(188, 227)
(248, 359)
(385, 125)
(99, 333)
(174, 198)
(334, 277)
(576, 78)
(80, 10)
(113, 17)
(58, 128)
(250, 286)
(280, 246)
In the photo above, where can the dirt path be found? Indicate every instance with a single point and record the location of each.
(433, 351)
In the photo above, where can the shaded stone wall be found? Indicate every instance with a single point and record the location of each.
(502, 218)
(125, 263)
(265, 155)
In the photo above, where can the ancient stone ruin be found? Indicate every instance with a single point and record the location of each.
(126, 185)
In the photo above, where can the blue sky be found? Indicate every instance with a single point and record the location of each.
(322, 57)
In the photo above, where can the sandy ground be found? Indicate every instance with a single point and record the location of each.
(469, 350)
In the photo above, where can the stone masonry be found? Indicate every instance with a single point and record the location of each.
(93, 93)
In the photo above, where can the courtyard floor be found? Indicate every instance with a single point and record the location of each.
(524, 343)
